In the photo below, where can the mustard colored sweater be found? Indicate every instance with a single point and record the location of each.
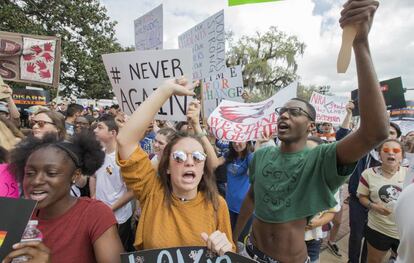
(161, 227)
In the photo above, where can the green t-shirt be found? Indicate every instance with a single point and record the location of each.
(291, 186)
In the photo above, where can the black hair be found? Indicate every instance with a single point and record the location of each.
(232, 155)
(311, 109)
(83, 149)
(397, 128)
(4, 155)
(109, 121)
(114, 106)
(72, 109)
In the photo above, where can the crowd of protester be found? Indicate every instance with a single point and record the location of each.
(108, 183)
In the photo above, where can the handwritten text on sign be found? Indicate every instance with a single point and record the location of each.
(225, 86)
(329, 108)
(207, 42)
(148, 30)
(135, 75)
(241, 122)
(182, 255)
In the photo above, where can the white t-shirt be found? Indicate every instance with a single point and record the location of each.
(384, 191)
(404, 216)
(110, 187)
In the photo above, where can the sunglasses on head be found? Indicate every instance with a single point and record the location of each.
(394, 150)
(293, 111)
(41, 124)
(180, 156)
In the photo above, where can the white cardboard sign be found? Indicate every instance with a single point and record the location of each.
(135, 75)
(225, 86)
(207, 41)
(241, 122)
(149, 30)
(329, 108)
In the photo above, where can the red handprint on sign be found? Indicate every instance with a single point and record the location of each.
(45, 74)
(28, 57)
(47, 47)
(47, 56)
(41, 65)
(36, 49)
(31, 67)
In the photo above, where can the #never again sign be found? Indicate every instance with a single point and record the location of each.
(135, 75)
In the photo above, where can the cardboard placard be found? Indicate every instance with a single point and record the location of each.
(24, 98)
(329, 108)
(149, 30)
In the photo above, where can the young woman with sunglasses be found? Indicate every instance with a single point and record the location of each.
(46, 121)
(181, 206)
(378, 190)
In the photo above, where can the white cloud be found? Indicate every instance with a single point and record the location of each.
(313, 21)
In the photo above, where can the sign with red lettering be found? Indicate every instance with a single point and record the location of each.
(30, 58)
(241, 122)
(329, 108)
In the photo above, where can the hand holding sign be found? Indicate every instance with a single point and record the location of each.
(217, 242)
(178, 86)
(356, 20)
(193, 113)
(35, 250)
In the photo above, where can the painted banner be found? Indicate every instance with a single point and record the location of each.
(182, 255)
(149, 30)
(329, 108)
(225, 86)
(25, 98)
(406, 113)
(135, 75)
(242, 2)
(15, 215)
(207, 41)
(30, 58)
(241, 122)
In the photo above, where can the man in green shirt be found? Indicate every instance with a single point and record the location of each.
(291, 183)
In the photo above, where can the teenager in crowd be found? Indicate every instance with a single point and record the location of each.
(46, 121)
(181, 206)
(74, 229)
(291, 183)
(378, 191)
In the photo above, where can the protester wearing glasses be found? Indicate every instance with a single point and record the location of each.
(180, 206)
(291, 183)
(46, 121)
(378, 190)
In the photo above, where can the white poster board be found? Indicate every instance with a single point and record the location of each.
(135, 75)
(149, 30)
(225, 86)
(241, 122)
(207, 42)
(329, 108)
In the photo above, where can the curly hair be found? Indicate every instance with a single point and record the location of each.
(207, 184)
(83, 149)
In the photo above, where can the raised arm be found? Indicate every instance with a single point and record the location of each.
(193, 114)
(374, 118)
(135, 128)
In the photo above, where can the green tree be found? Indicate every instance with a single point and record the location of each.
(268, 61)
(86, 33)
(305, 92)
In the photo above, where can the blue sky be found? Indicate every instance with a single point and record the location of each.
(313, 21)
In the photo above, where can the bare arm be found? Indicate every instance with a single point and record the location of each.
(379, 208)
(346, 124)
(323, 220)
(135, 128)
(92, 186)
(108, 246)
(246, 212)
(374, 117)
(193, 114)
(128, 196)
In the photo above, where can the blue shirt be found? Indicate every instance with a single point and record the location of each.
(238, 183)
(146, 143)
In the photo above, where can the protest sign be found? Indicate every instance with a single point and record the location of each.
(30, 58)
(225, 86)
(329, 108)
(12, 226)
(242, 2)
(182, 255)
(24, 98)
(149, 30)
(207, 42)
(393, 92)
(135, 75)
(406, 113)
(240, 122)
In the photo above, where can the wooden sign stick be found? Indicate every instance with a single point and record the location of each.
(344, 56)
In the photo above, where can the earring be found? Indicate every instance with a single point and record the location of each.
(168, 171)
(73, 182)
